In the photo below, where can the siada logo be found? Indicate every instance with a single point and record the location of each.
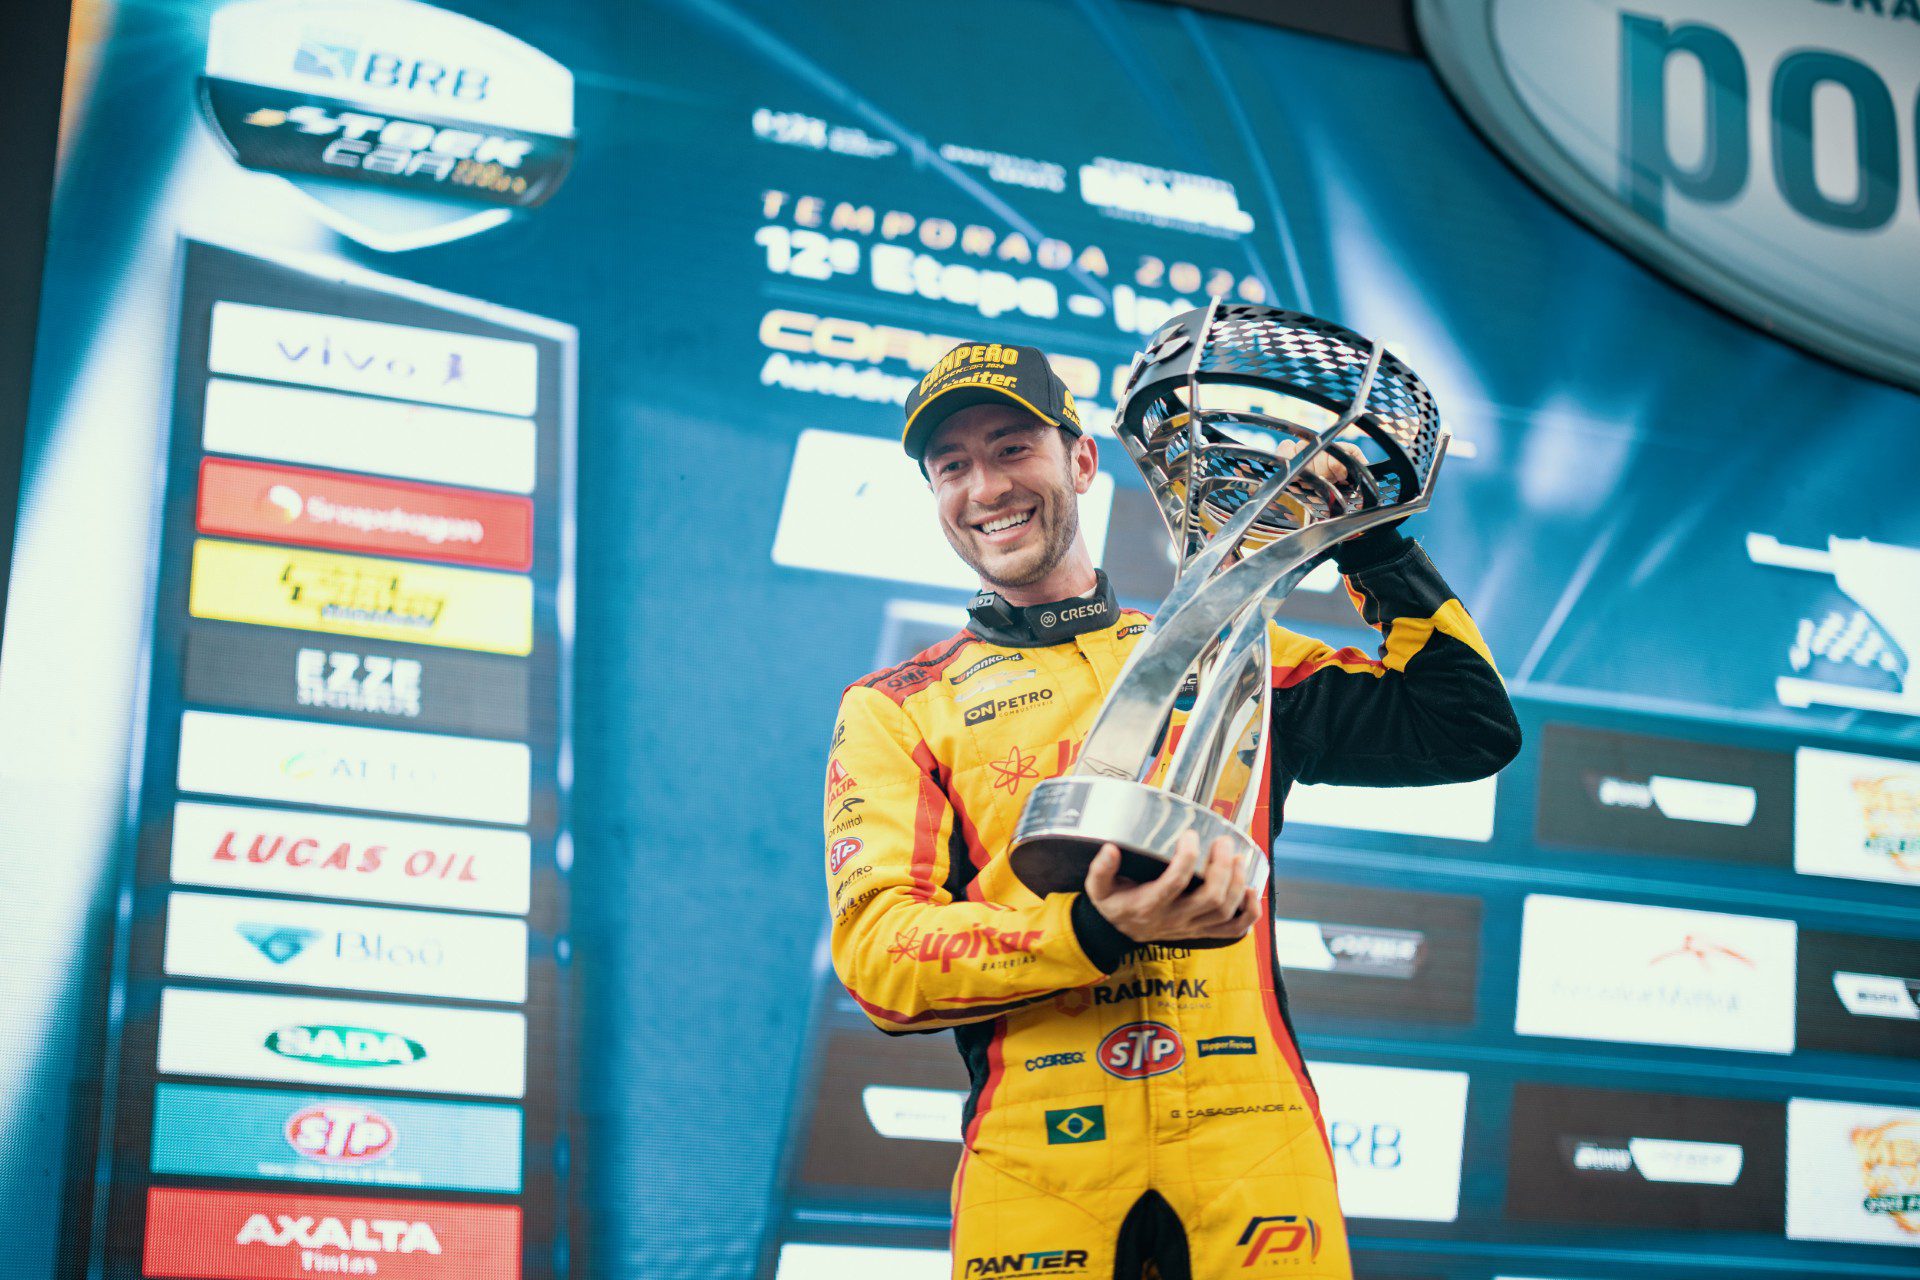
(341, 1135)
(840, 850)
(278, 943)
(1754, 153)
(286, 500)
(335, 1046)
(1282, 1236)
(351, 1235)
(1141, 1049)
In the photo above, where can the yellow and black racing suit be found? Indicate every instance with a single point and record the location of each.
(1132, 1107)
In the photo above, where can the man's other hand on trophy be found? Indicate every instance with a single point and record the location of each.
(1332, 463)
(1175, 905)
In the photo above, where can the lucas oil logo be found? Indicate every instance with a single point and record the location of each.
(340, 1135)
(1141, 1049)
(335, 1046)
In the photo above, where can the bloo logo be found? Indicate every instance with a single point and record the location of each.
(1754, 152)
(277, 943)
(1141, 1049)
(341, 1134)
(345, 1046)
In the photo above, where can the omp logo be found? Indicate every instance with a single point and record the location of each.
(1280, 1236)
(341, 1135)
(278, 943)
(1041, 1262)
(1141, 1049)
(286, 500)
(349, 1235)
(337, 1046)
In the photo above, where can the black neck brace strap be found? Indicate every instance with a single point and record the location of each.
(996, 621)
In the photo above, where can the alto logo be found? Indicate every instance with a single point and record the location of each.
(1755, 153)
(336, 1046)
(1141, 1049)
(341, 1135)
(278, 943)
(1076, 1124)
(840, 850)
(1285, 1235)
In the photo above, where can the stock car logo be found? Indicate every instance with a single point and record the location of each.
(341, 1135)
(1141, 1049)
(335, 1046)
(404, 124)
(840, 850)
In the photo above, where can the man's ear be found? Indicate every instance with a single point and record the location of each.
(1083, 458)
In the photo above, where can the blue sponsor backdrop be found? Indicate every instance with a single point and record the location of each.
(1625, 440)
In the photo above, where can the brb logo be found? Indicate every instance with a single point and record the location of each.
(1141, 1049)
(1287, 1236)
(1755, 152)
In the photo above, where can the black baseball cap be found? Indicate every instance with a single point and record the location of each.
(981, 373)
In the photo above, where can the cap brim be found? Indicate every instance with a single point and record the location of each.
(936, 409)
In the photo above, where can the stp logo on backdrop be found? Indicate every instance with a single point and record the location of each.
(340, 1135)
(1141, 1049)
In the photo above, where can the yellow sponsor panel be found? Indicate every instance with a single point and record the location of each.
(353, 596)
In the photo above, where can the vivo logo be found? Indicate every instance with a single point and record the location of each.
(1762, 153)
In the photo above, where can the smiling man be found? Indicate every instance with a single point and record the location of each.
(1137, 1109)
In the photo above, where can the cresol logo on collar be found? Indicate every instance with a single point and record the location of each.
(1762, 153)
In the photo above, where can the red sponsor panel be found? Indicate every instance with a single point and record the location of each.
(356, 513)
(249, 1235)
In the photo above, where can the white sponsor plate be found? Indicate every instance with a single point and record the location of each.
(1655, 975)
(353, 768)
(1856, 817)
(928, 1115)
(311, 944)
(353, 1043)
(383, 437)
(403, 362)
(329, 855)
(858, 505)
(861, 1262)
(1451, 811)
(1853, 1172)
(1396, 1134)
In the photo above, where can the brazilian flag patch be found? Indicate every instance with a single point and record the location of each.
(1076, 1124)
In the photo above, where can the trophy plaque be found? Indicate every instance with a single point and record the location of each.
(1212, 409)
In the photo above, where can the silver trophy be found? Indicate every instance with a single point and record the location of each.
(1209, 407)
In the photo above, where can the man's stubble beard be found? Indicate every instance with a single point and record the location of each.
(1060, 536)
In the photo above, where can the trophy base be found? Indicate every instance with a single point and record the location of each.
(1067, 820)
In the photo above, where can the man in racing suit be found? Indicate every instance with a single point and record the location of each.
(1137, 1108)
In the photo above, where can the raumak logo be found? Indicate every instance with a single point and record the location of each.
(839, 851)
(991, 660)
(1287, 1235)
(345, 1046)
(947, 946)
(1141, 1049)
(1179, 990)
(1232, 1045)
(436, 125)
(982, 712)
(1751, 152)
(341, 1134)
(1051, 1262)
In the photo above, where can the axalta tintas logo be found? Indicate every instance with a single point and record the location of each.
(345, 1046)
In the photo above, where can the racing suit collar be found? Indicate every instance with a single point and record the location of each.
(996, 621)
